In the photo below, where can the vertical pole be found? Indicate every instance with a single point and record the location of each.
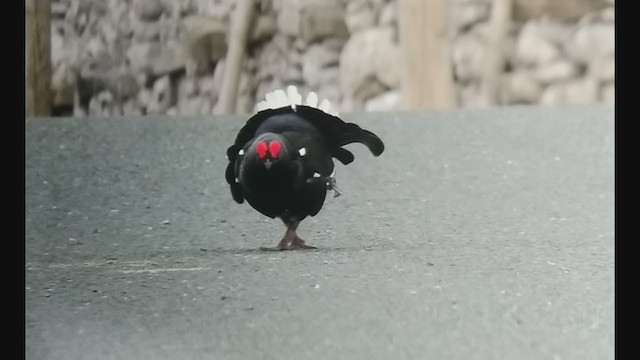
(427, 77)
(38, 57)
(495, 58)
(235, 55)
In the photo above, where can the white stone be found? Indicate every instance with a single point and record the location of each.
(63, 85)
(102, 104)
(469, 95)
(311, 20)
(384, 102)
(388, 59)
(264, 28)
(389, 14)
(593, 40)
(468, 57)
(187, 87)
(609, 93)
(367, 59)
(161, 96)
(148, 10)
(556, 71)
(465, 15)
(521, 87)
(575, 92)
(359, 15)
(603, 68)
(532, 48)
(315, 60)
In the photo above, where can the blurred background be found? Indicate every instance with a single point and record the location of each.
(194, 57)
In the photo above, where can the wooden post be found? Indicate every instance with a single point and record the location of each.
(427, 76)
(38, 57)
(494, 60)
(235, 55)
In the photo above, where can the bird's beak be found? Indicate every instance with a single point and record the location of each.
(267, 164)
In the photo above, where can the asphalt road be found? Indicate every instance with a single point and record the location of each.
(476, 235)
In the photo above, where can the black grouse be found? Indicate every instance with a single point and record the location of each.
(282, 159)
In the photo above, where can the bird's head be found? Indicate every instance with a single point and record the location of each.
(270, 150)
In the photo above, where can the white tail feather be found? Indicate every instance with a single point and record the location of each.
(312, 100)
(279, 98)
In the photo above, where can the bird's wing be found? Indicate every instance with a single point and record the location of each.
(340, 133)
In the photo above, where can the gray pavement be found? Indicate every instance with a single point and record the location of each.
(476, 235)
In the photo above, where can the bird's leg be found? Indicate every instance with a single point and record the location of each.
(332, 185)
(290, 240)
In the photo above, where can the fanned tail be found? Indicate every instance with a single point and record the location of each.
(355, 133)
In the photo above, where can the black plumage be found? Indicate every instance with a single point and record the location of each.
(281, 162)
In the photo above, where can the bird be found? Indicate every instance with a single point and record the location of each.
(281, 161)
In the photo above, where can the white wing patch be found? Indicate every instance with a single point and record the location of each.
(279, 98)
(302, 151)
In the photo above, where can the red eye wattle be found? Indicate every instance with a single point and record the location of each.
(261, 148)
(274, 149)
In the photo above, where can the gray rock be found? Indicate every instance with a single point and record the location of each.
(57, 50)
(311, 20)
(603, 69)
(59, 9)
(359, 15)
(557, 71)
(148, 10)
(582, 91)
(172, 58)
(331, 92)
(209, 87)
(204, 39)
(63, 85)
(321, 20)
(188, 87)
(172, 111)
(289, 17)
(608, 93)
(465, 15)
(315, 60)
(218, 77)
(131, 108)
(521, 87)
(575, 92)
(384, 102)
(593, 40)
(389, 14)
(330, 77)
(189, 106)
(95, 76)
(533, 48)
(108, 31)
(264, 28)
(162, 96)
(468, 55)
(102, 105)
(141, 55)
(125, 86)
(558, 32)
(565, 10)
(218, 9)
(469, 95)
(359, 66)
(293, 75)
(388, 59)
(608, 15)
(146, 32)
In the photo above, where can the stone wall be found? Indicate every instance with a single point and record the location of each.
(135, 57)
